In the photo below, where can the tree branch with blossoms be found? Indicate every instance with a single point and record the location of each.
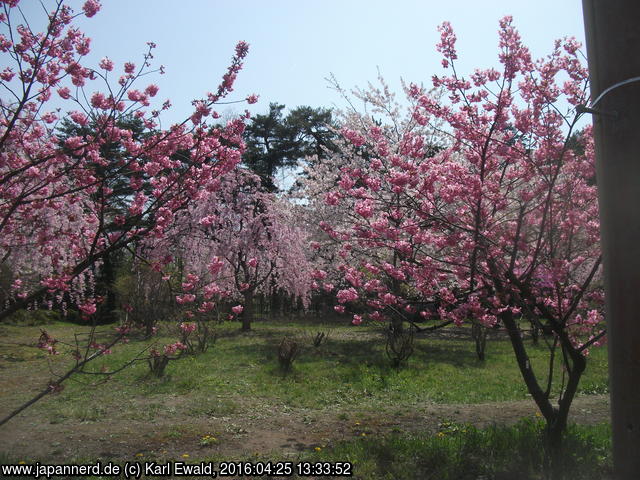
(57, 223)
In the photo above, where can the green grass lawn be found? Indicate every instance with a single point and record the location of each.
(350, 368)
(348, 376)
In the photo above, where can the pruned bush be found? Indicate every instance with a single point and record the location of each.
(34, 317)
(288, 351)
(399, 345)
(157, 365)
(197, 336)
(319, 338)
(158, 361)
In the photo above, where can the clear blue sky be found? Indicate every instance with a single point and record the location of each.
(296, 44)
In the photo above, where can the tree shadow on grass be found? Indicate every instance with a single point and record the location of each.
(458, 354)
(358, 357)
(426, 351)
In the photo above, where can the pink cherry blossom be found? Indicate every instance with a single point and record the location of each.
(106, 64)
(151, 90)
(347, 295)
(188, 327)
(186, 298)
(91, 7)
(88, 308)
(237, 309)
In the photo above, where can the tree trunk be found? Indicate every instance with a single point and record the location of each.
(555, 417)
(479, 334)
(535, 332)
(247, 312)
(276, 304)
(526, 370)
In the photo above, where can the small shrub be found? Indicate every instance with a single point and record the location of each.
(196, 336)
(33, 318)
(319, 338)
(399, 345)
(158, 361)
(288, 351)
(158, 364)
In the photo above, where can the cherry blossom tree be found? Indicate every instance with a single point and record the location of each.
(498, 227)
(55, 201)
(371, 197)
(57, 220)
(236, 241)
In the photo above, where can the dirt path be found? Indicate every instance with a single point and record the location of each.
(282, 433)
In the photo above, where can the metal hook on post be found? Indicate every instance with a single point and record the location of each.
(580, 109)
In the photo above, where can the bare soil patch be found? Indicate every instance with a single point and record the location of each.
(280, 433)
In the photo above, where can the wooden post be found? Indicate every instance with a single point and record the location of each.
(613, 44)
